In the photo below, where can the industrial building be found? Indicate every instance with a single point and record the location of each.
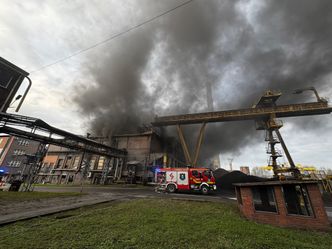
(14, 156)
(145, 151)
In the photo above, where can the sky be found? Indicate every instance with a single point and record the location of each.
(241, 47)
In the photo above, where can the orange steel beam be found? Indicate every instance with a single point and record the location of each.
(198, 144)
(184, 145)
(189, 160)
(257, 113)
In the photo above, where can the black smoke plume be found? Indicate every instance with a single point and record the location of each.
(242, 48)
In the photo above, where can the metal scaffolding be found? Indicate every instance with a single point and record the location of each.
(35, 162)
(38, 130)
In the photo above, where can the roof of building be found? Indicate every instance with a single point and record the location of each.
(13, 67)
(136, 134)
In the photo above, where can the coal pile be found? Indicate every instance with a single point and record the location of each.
(225, 179)
(219, 172)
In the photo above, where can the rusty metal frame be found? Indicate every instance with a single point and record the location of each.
(280, 111)
(264, 113)
(184, 145)
(191, 161)
(198, 144)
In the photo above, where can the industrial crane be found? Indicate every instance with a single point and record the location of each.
(265, 114)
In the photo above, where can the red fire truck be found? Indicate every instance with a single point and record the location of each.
(173, 179)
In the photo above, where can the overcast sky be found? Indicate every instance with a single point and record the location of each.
(34, 33)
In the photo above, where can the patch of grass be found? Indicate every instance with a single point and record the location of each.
(157, 223)
(26, 196)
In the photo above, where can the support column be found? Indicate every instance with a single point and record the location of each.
(198, 144)
(189, 160)
(273, 125)
(184, 146)
(106, 170)
(294, 169)
(272, 151)
(35, 165)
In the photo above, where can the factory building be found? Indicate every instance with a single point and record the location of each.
(146, 151)
(59, 165)
(14, 153)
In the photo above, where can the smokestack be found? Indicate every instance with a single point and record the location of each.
(209, 97)
(210, 105)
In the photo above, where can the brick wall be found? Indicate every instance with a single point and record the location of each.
(319, 221)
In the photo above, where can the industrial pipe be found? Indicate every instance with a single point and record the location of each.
(24, 95)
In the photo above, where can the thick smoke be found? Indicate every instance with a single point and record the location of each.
(242, 48)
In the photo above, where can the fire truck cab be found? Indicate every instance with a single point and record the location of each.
(198, 179)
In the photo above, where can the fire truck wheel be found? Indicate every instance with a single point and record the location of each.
(204, 190)
(171, 188)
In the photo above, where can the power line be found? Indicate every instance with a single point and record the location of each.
(111, 37)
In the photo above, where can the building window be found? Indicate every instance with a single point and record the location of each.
(19, 152)
(263, 198)
(68, 162)
(297, 200)
(45, 168)
(51, 167)
(101, 162)
(14, 164)
(76, 162)
(59, 163)
(23, 142)
(92, 163)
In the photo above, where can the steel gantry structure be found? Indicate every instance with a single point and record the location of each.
(11, 78)
(38, 130)
(265, 114)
